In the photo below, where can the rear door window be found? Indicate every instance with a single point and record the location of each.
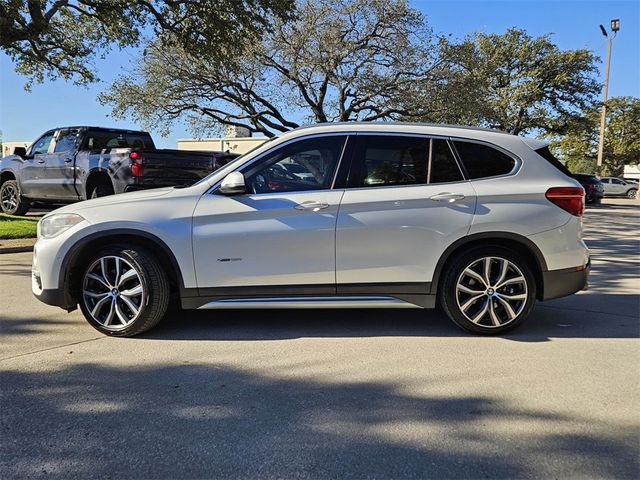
(390, 160)
(481, 161)
(67, 140)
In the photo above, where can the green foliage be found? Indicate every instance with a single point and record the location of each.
(17, 227)
(62, 38)
(517, 83)
(338, 60)
(579, 147)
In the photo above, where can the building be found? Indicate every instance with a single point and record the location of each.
(232, 145)
(7, 147)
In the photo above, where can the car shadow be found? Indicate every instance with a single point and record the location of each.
(554, 319)
(211, 420)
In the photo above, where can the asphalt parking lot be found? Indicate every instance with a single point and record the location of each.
(331, 394)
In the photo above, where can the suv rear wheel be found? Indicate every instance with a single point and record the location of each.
(124, 291)
(488, 290)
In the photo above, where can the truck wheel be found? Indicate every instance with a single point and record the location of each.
(488, 290)
(101, 190)
(124, 291)
(10, 199)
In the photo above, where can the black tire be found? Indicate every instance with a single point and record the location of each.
(154, 298)
(632, 193)
(101, 190)
(11, 201)
(450, 298)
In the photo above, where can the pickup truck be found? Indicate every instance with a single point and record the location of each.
(77, 163)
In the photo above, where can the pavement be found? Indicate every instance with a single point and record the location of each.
(331, 394)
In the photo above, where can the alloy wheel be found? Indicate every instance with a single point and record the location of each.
(491, 292)
(113, 292)
(9, 197)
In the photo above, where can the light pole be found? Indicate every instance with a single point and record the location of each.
(615, 26)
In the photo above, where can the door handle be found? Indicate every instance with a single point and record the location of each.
(40, 161)
(447, 197)
(68, 160)
(312, 205)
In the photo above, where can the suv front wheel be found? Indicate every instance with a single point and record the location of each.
(124, 291)
(488, 290)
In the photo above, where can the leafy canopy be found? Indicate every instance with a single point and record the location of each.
(62, 38)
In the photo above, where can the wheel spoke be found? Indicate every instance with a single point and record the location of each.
(91, 294)
(470, 302)
(487, 271)
(132, 292)
(117, 279)
(121, 316)
(465, 289)
(98, 306)
(508, 308)
(475, 276)
(109, 317)
(482, 312)
(128, 275)
(103, 268)
(132, 306)
(519, 296)
(95, 277)
(492, 313)
(510, 281)
(504, 268)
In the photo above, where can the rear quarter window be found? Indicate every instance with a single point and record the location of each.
(481, 161)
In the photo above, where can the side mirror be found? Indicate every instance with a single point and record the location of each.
(233, 184)
(20, 151)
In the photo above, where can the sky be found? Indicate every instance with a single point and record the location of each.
(572, 23)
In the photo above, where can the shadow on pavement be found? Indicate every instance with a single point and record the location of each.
(197, 421)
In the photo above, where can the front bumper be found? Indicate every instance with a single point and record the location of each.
(564, 282)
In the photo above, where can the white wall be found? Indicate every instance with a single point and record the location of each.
(7, 147)
(233, 145)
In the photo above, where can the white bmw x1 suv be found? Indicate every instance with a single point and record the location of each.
(386, 215)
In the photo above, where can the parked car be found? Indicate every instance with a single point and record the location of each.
(76, 163)
(616, 187)
(593, 187)
(482, 222)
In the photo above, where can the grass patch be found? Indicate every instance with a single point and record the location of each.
(17, 227)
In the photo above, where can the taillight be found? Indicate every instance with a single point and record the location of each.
(570, 199)
(137, 166)
(591, 186)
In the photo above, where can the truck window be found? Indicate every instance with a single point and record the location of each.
(101, 140)
(67, 141)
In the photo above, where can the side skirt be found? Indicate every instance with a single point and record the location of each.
(328, 301)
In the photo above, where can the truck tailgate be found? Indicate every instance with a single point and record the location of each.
(175, 167)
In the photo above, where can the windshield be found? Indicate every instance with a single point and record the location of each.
(235, 163)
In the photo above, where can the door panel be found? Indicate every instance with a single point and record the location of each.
(406, 202)
(60, 167)
(397, 234)
(266, 239)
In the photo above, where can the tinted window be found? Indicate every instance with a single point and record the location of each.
(483, 161)
(395, 160)
(304, 165)
(67, 141)
(444, 167)
(545, 153)
(42, 144)
(101, 140)
(616, 181)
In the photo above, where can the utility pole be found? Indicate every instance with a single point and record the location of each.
(615, 26)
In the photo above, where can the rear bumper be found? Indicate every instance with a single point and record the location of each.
(564, 282)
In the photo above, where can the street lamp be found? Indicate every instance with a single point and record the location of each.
(615, 26)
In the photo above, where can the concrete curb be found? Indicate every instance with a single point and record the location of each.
(17, 245)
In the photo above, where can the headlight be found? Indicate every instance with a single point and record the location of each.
(53, 225)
